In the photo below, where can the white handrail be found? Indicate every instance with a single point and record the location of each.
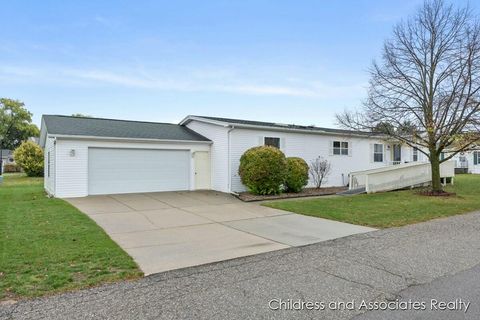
(398, 176)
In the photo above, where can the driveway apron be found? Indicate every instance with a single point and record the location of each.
(171, 230)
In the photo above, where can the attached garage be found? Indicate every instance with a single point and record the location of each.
(113, 171)
(91, 156)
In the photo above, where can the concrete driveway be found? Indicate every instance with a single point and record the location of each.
(170, 230)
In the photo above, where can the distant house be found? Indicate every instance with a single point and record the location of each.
(6, 156)
(468, 161)
(35, 139)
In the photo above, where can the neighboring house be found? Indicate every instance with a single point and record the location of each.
(467, 162)
(88, 156)
(6, 156)
(34, 139)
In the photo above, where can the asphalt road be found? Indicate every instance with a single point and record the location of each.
(433, 260)
(463, 285)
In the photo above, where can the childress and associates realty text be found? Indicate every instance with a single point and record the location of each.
(432, 304)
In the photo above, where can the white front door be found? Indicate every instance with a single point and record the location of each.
(397, 154)
(202, 170)
(113, 171)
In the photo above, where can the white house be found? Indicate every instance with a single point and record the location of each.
(89, 156)
(346, 150)
(6, 156)
(468, 161)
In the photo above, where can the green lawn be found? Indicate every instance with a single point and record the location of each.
(390, 209)
(49, 246)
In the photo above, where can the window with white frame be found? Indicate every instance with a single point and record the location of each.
(272, 141)
(341, 148)
(377, 152)
(476, 157)
(415, 154)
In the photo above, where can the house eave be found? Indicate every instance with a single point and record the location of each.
(188, 119)
(319, 132)
(120, 139)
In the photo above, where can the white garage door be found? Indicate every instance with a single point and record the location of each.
(113, 171)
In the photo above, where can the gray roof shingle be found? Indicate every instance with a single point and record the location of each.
(287, 126)
(112, 128)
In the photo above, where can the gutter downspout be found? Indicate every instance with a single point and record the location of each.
(229, 159)
(55, 164)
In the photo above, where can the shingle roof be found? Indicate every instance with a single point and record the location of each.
(112, 128)
(286, 126)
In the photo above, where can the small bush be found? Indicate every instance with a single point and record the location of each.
(263, 170)
(11, 168)
(320, 170)
(29, 156)
(297, 174)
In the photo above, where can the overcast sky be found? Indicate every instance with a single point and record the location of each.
(282, 61)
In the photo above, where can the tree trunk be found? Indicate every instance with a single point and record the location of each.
(436, 181)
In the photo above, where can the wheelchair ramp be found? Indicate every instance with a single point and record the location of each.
(396, 177)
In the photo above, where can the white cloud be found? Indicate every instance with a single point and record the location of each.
(268, 90)
(212, 81)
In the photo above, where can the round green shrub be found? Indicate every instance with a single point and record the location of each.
(29, 156)
(263, 170)
(297, 174)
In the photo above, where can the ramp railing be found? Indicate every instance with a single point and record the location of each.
(398, 176)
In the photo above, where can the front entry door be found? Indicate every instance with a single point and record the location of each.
(202, 170)
(397, 154)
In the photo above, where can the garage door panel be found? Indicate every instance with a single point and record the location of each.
(137, 170)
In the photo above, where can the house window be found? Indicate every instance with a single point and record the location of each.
(378, 152)
(415, 154)
(442, 155)
(476, 157)
(462, 161)
(48, 164)
(272, 141)
(340, 148)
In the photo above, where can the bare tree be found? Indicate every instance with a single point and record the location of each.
(426, 87)
(319, 170)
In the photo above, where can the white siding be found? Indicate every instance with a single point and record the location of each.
(472, 168)
(72, 171)
(307, 146)
(49, 171)
(407, 153)
(219, 152)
